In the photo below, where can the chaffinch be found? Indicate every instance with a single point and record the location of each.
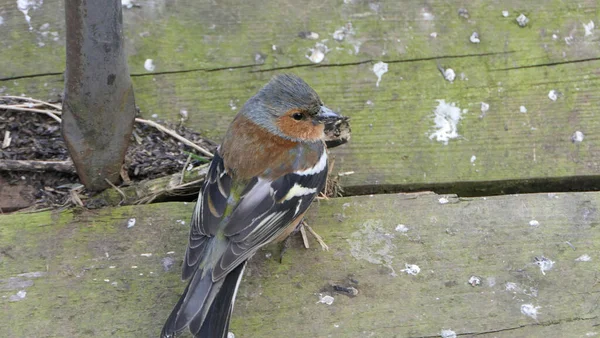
(270, 166)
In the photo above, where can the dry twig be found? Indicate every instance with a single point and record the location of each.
(118, 190)
(22, 165)
(55, 113)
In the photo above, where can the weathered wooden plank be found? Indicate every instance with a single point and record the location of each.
(391, 149)
(95, 279)
(188, 34)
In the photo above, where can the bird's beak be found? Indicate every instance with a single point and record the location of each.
(326, 115)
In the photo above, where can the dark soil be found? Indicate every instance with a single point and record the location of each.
(36, 136)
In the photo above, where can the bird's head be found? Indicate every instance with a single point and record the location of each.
(288, 107)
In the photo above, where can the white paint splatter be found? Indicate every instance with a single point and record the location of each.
(505, 14)
(484, 108)
(534, 223)
(552, 95)
(569, 39)
(589, 28)
(474, 38)
(341, 33)
(554, 37)
(443, 200)
(473, 158)
(233, 103)
(591, 334)
(402, 228)
(577, 137)
(522, 109)
(1, 20)
(325, 299)
(510, 286)
(373, 243)
(474, 281)
(311, 35)
(131, 223)
(426, 15)
(379, 69)
(544, 263)
(127, 4)
(583, 258)
(184, 114)
(447, 116)
(448, 334)
(20, 295)
(317, 54)
(433, 34)
(25, 5)
(146, 255)
(449, 75)
(149, 65)
(530, 310)
(522, 20)
(411, 269)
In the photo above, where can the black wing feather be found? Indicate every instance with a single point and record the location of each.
(212, 201)
(244, 229)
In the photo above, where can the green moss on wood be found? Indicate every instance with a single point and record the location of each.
(390, 149)
(97, 283)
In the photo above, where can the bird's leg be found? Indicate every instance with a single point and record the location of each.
(284, 246)
(286, 242)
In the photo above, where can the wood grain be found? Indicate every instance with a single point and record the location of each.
(88, 274)
(210, 58)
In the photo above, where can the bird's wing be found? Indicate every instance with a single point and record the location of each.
(265, 210)
(208, 213)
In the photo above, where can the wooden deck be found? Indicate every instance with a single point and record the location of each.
(530, 272)
(542, 85)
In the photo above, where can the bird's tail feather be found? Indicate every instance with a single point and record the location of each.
(216, 322)
(205, 307)
(192, 303)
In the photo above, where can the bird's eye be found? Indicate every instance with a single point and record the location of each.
(298, 116)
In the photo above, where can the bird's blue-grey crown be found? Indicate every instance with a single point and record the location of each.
(283, 93)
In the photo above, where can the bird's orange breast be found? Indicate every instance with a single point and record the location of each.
(249, 151)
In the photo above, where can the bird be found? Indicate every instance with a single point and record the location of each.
(270, 166)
